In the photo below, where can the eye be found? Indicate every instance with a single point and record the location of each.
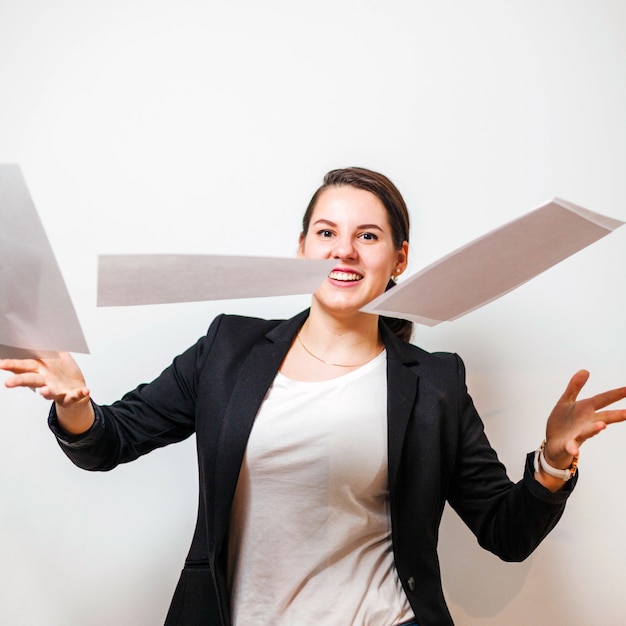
(325, 233)
(369, 236)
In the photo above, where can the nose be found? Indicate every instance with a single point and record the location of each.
(344, 248)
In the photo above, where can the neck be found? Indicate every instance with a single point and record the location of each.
(341, 339)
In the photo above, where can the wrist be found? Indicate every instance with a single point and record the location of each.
(76, 418)
(543, 466)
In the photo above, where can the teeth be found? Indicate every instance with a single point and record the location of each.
(347, 276)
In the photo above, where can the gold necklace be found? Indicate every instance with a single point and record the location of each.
(335, 364)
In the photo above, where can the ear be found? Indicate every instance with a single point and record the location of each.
(301, 246)
(402, 259)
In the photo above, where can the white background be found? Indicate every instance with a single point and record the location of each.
(204, 127)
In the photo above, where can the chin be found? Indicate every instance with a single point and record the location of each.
(340, 308)
(343, 303)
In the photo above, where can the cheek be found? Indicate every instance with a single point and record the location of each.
(385, 266)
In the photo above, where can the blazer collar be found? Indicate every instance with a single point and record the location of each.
(396, 348)
(286, 331)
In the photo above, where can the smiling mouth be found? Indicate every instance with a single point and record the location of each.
(347, 277)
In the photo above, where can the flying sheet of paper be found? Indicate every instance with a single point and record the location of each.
(493, 264)
(135, 279)
(37, 317)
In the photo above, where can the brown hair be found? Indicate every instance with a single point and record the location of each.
(397, 213)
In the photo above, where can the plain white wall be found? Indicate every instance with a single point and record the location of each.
(204, 126)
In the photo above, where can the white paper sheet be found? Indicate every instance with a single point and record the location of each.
(37, 317)
(125, 280)
(494, 264)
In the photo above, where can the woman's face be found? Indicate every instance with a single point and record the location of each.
(351, 226)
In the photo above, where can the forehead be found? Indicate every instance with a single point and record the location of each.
(349, 203)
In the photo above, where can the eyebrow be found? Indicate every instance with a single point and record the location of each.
(359, 227)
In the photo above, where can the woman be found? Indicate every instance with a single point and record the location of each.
(327, 444)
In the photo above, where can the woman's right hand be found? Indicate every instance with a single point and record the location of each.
(58, 379)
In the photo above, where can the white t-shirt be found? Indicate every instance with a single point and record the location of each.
(310, 532)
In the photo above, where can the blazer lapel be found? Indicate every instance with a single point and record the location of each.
(255, 378)
(402, 381)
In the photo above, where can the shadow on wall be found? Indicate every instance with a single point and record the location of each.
(474, 579)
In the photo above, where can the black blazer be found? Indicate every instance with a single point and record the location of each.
(437, 452)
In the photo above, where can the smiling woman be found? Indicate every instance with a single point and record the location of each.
(327, 444)
(351, 226)
(358, 189)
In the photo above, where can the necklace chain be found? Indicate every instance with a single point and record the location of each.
(333, 364)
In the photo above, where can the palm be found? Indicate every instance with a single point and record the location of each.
(58, 379)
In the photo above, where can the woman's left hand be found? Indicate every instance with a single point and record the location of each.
(573, 421)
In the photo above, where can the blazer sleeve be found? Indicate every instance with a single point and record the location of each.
(151, 416)
(508, 519)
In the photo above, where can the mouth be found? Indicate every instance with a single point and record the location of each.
(345, 277)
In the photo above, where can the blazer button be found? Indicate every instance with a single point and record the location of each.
(411, 583)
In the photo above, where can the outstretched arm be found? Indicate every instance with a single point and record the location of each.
(573, 421)
(58, 379)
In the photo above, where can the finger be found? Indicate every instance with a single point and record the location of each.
(46, 393)
(601, 400)
(31, 379)
(573, 446)
(576, 383)
(64, 399)
(19, 366)
(612, 417)
(78, 394)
